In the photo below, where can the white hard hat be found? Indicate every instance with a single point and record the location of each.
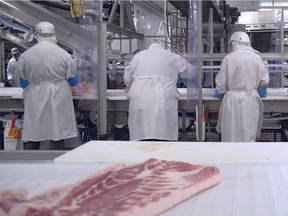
(45, 29)
(14, 51)
(240, 37)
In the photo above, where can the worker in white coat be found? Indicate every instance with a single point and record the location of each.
(241, 81)
(46, 73)
(11, 68)
(151, 78)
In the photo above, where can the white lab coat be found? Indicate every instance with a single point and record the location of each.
(11, 70)
(48, 104)
(153, 95)
(241, 112)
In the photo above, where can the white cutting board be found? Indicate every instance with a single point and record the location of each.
(245, 190)
(194, 152)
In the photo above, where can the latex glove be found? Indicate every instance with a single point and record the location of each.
(73, 81)
(218, 95)
(23, 83)
(182, 80)
(262, 90)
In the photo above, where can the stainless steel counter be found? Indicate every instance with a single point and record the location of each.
(276, 100)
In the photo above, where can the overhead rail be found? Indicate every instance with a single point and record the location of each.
(11, 37)
(122, 23)
(29, 14)
(218, 16)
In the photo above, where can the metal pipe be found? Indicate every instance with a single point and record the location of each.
(165, 21)
(2, 59)
(102, 78)
(113, 11)
(199, 39)
(282, 31)
(51, 4)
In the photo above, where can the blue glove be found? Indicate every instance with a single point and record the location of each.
(262, 90)
(182, 80)
(218, 95)
(23, 83)
(73, 81)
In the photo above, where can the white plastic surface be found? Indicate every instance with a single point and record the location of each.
(194, 152)
(245, 190)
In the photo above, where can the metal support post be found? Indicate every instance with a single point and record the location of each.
(200, 50)
(102, 78)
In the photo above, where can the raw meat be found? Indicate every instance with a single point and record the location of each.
(148, 188)
(81, 89)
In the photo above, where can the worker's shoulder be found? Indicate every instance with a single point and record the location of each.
(141, 53)
(11, 60)
(153, 52)
(242, 53)
(46, 48)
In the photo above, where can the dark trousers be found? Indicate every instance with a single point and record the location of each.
(58, 145)
(55, 145)
(31, 145)
(156, 140)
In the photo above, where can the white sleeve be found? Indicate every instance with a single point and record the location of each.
(9, 68)
(128, 74)
(264, 75)
(222, 77)
(182, 65)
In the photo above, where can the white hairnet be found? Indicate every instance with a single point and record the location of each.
(241, 37)
(45, 29)
(14, 51)
(45, 32)
(239, 45)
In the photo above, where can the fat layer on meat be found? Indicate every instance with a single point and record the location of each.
(147, 188)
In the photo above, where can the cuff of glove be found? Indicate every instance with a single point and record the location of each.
(182, 80)
(218, 95)
(23, 83)
(262, 90)
(73, 81)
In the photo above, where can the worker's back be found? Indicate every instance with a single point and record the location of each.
(245, 70)
(155, 61)
(45, 62)
(153, 96)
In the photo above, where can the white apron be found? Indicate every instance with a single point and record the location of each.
(153, 109)
(240, 116)
(48, 106)
(153, 113)
(44, 118)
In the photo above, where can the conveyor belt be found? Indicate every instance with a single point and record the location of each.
(29, 14)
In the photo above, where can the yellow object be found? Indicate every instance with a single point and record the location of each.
(13, 129)
(17, 134)
(9, 133)
(76, 8)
